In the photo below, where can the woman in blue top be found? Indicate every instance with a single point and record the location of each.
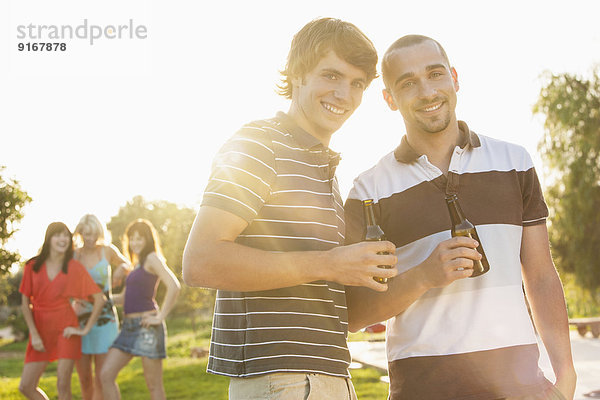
(99, 260)
(143, 330)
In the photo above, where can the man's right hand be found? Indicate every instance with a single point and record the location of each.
(357, 264)
(451, 260)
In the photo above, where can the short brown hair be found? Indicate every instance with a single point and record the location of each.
(316, 39)
(408, 41)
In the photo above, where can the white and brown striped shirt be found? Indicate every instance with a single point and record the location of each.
(282, 181)
(472, 339)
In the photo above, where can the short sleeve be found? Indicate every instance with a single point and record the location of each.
(535, 210)
(242, 174)
(80, 284)
(26, 287)
(355, 224)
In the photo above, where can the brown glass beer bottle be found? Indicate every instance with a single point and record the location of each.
(374, 233)
(462, 227)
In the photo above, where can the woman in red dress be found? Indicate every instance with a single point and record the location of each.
(50, 279)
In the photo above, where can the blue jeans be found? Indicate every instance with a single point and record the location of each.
(139, 341)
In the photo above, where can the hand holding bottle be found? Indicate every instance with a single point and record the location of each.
(357, 264)
(461, 226)
(451, 260)
(374, 233)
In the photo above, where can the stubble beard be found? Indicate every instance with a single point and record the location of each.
(435, 126)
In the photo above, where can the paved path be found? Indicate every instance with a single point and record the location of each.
(586, 354)
(6, 333)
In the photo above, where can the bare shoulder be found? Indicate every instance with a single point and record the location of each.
(109, 250)
(154, 262)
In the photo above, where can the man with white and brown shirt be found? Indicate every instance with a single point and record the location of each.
(450, 336)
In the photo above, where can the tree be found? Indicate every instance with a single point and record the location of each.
(173, 224)
(571, 149)
(12, 200)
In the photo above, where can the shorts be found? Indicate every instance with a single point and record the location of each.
(288, 385)
(139, 341)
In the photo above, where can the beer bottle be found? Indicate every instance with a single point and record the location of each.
(374, 233)
(462, 227)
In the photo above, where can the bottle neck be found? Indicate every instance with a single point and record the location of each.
(369, 214)
(456, 213)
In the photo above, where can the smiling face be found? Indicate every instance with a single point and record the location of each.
(89, 237)
(421, 84)
(325, 97)
(60, 242)
(137, 243)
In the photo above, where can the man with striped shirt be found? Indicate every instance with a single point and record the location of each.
(269, 231)
(450, 336)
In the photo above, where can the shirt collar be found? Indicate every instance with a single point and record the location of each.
(404, 153)
(305, 139)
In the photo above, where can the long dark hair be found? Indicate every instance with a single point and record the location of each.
(145, 229)
(53, 229)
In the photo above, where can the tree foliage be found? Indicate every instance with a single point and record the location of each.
(571, 149)
(173, 224)
(12, 200)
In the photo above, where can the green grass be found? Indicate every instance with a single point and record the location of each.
(184, 377)
(368, 384)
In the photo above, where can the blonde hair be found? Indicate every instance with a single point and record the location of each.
(91, 222)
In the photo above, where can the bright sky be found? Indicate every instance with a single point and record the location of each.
(87, 129)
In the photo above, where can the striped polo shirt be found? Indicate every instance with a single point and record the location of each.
(281, 180)
(474, 338)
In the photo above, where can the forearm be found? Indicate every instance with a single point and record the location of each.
(546, 298)
(28, 317)
(367, 307)
(120, 272)
(213, 259)
(231, 266)
(99, 302)
(449, 261)
(169, 302)
(119, 298)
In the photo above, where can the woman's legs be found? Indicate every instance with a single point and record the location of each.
(154, 377)
(30, 378)
(99, 360)
(64, 371)
(89, 376)
(115, 361)
(84, 371)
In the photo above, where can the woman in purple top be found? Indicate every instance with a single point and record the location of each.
(143, 329)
